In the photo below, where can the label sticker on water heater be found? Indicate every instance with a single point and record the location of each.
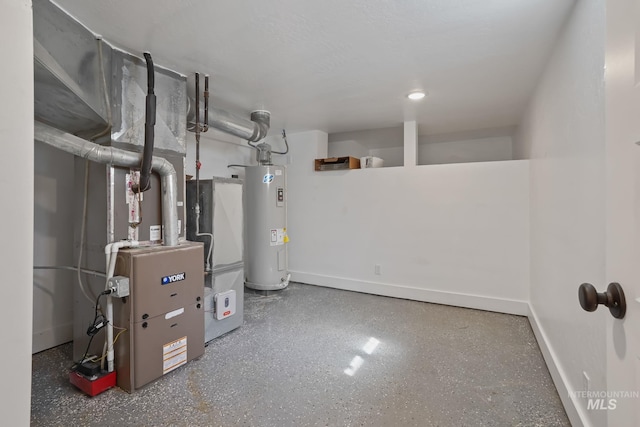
(278, 172)
(276, 237)
(267, 178)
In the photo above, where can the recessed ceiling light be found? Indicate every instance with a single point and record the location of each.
(416, 95)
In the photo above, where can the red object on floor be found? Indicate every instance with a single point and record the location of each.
(95, 386)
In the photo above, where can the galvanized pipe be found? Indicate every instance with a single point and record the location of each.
(251, 130)
(117, 157)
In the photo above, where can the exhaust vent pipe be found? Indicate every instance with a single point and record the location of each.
(251, 130)
(117, 157)
(262, 119)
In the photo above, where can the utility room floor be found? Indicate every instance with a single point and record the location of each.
(309, 356)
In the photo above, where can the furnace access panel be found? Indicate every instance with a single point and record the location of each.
(164, 314)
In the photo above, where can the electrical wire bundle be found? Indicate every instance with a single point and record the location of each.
(99, 322)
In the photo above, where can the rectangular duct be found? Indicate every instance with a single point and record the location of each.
(129, 81)
(74, 71)
(68, 87)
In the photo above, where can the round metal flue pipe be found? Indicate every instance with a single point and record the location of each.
(117, 157)
(263, 119)
(251, 130)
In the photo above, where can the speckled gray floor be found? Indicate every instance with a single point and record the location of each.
(302, 359)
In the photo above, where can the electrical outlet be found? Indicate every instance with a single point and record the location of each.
(586, 382)
(376, 269)
(119, 286)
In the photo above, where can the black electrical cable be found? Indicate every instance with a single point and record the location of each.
(95, 311)
(284, 136)
(85, 353)
(286, 143)
(205, 125)
(93, 325)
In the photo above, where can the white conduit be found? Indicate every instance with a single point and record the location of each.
(117, 157)
(111, 254)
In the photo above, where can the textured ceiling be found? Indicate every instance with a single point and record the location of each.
(338, 65)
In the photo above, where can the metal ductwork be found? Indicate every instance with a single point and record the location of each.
(85, 87)
(117, 157)
(251, 130)
(70, 70)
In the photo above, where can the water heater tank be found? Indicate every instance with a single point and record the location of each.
(266, 207)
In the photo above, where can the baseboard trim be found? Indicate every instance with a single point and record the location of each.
(572, 407)
(499, 305)
(52, 337)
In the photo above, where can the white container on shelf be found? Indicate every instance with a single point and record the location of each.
(370, 162)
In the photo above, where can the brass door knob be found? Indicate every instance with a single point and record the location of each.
(612, 298)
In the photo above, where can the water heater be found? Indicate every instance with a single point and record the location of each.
(266, 203)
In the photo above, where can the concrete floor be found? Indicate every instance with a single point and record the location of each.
(302, 359)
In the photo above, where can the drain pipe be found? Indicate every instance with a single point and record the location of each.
(111, 255)
(117, 157)
(251, 130)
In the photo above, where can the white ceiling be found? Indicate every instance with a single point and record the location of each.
(338, 65)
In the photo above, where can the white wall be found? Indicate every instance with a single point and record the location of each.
(453, 234)
(53, 246)
(432, 151)
(483, 145)
(465, 150)
(393, 156)
(563, 134)
(16, 184)
(347, 148)
(373, 138)
(384, 143)
(304, 148)
(217, 151)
